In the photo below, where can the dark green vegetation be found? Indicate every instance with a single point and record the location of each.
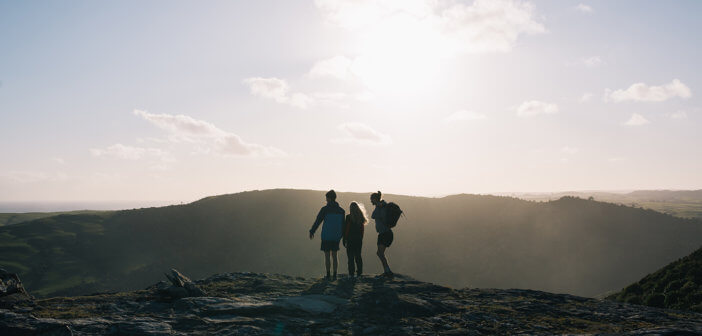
(676, 286)
(566, 246)
(681, 203)
(14, 218)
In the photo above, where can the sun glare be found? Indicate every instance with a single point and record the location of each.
(399, 54)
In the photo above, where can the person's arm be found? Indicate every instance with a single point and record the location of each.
(345, 228)
(320, 217)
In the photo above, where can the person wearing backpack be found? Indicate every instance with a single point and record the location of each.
(333, 217)
(385, 235)
(353, 237)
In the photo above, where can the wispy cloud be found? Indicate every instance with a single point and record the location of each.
(335, 67)
(481, 26)
(591, 61)
(586, 97)
(363, 134)
(278, 90)
(465, 115)
(30, 176)
(681, 114)
(212, 138)
(534, 107)
(640, 92)
(636, 120)
(570, 150)
(123, 152)
(584, 8)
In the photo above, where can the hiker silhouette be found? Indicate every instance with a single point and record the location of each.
(332, 215)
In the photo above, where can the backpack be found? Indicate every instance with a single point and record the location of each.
(392, 214)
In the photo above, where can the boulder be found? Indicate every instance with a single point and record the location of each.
(11, 289)
(181, 287)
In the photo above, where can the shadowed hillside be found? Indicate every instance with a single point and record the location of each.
(676, 286)
(568, 246)
(14, 217)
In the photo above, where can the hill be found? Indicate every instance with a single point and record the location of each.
(569, 245)
(267, 304)
(19, 217)
(676, 286)
(681, 203)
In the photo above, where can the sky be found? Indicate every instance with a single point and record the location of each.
(178, 100)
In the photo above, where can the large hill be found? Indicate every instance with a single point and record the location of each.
(569, 245)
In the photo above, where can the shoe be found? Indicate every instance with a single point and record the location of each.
(327, 277)
(389, 274)
(334, 277)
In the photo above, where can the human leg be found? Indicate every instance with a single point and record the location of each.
(350, 257)
(327, 262)
(359, 260)
(336, 261)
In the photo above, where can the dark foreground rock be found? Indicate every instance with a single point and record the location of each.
(262, 304)
(12, 291)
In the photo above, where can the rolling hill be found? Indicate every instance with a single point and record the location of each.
(680, 203)
(569, 245)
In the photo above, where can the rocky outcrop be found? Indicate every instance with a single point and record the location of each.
(11, 290)
(264, 304)
(181, 286)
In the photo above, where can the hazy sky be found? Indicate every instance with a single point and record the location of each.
(176, 100)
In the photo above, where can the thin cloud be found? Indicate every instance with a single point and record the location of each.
(678, 115)
(534, 107)
(640, 92)
(363, 134)
(636, 120)
(482, 26)
(570, 150)
(336, 67)
(584, 8)
(209, 136)
(465, 115)
(586, 97)
(123, 152)
(277, 90)
(592, 61)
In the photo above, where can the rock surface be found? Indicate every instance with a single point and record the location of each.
(11, 290)
(264, 304)
(181, 286)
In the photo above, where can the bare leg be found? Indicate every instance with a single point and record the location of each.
(336, 261)
(381, 256)
(326, 261)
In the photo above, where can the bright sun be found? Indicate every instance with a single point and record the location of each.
(400, 54)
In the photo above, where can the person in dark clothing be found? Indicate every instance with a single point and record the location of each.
(385, 235)
(353, 237)
(333, 217)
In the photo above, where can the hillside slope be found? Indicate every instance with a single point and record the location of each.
(265, 304)
(676, 286)
(566, 246)
(680, 203)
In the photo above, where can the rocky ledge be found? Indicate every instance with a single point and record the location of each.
(264, 304)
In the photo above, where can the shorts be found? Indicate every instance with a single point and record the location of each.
(385, 238)
(330, 245)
